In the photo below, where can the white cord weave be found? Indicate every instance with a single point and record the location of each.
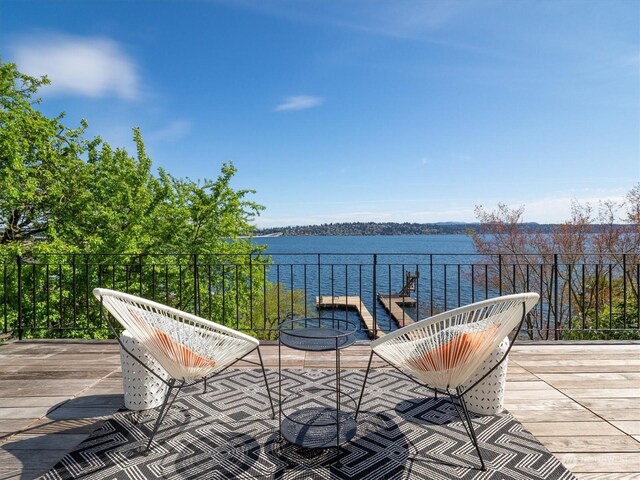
(186, 346)
(445, 350)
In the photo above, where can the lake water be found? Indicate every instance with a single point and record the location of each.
(344, 265)
(401, 244)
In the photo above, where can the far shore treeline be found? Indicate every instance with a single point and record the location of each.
(407, 228)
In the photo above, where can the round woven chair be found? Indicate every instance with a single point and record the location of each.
(444, 351)
(189, 348)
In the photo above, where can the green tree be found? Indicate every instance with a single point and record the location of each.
(119, 200)
(204, 217)
(82, 214)
(278, 303)
(38, 157)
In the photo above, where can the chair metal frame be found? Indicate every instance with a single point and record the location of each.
(175, 385)
(456, 392)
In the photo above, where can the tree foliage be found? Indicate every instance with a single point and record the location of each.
(60, 189)
(587, 278)
(38, 158)
(79, 212)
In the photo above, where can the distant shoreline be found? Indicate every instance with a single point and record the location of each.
(394, 229)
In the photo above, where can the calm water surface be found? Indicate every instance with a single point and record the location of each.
(343, 265)
(401, 244)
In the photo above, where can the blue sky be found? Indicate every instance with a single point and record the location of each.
(344, 110)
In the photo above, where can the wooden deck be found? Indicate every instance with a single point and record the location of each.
(582, 400)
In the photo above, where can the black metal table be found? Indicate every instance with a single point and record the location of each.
(315, 417)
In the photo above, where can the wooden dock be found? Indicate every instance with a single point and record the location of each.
(351, 302)
(394, 305)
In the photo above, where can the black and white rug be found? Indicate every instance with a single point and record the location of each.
(228, 432)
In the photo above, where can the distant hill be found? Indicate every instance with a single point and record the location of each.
(387, 228)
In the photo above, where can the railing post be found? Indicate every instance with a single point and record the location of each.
(431, 285)
(141, 277)
(87, 290)
(196, 303)
(319, 279)
(418, 292)
(4, 294)
(73, 289)
(19, 262)
(375, 297)
(555, 296)
(637, 291)
(251, 289)
(624, 290)
(500, 274)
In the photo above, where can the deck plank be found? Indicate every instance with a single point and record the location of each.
(590, 444)
(589, 462)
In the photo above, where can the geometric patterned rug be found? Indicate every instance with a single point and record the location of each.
(228, 432)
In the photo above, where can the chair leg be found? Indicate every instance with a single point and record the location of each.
(366, 375)
(163, 411)
(460, 414)
(473, 431)
(264, 375)
(466, 419)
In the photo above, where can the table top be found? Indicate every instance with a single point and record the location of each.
(317, 334)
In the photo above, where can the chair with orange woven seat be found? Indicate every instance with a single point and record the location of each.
(444, 352)
(189, 348)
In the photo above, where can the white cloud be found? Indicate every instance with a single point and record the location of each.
(88, 66)
(172, 132)
(299, 102)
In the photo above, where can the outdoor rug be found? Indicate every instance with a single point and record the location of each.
(228, 433)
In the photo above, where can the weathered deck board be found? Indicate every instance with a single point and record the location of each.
(351, 302)
(587, 415)
(393, 305)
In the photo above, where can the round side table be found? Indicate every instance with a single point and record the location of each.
(316, 417)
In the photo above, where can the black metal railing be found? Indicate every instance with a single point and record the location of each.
(585, 297)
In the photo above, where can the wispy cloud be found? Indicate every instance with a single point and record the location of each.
(299, 102)
(87, 66)
(172, 132)
(406, 19)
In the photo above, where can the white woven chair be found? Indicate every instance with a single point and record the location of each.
(191, 349)
(443, 352)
